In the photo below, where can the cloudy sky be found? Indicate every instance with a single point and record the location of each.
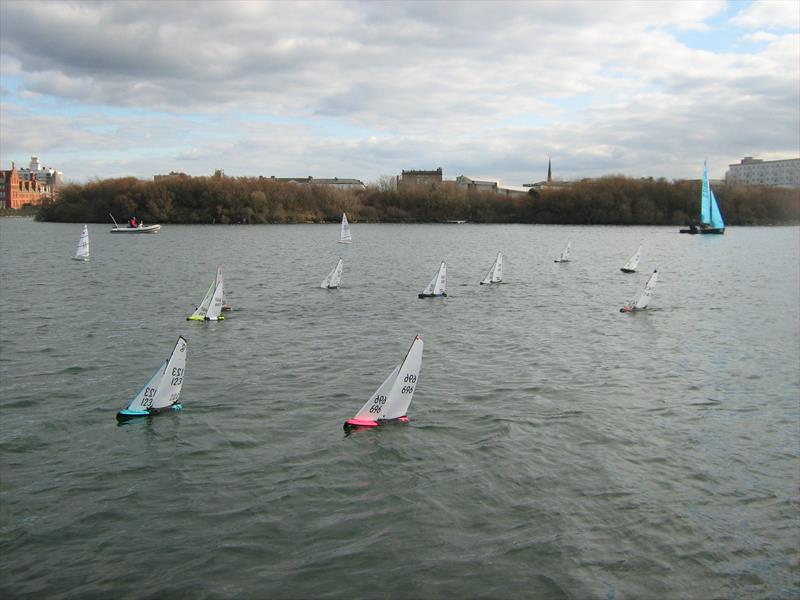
(366, 89)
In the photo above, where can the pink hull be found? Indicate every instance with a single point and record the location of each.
(367, 423)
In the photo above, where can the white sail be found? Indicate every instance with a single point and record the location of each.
(644, 298)
(345, 237)
(200, 311)
(565, 253)
(215, 305)
(144, 399)
(495, 272)
(169, 389)
(333, 278)
(220, 283)
(392, 398)
(631, 265)
(374, 406)
(82, 251)
(438, 285)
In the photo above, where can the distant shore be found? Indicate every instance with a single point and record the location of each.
(611, 200)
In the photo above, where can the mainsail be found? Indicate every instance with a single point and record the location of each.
(334, 278)
(644, 298)
(169, 390)
(392, 399)
(345, 237)
(495, 272)
(438, 285)
(82, 251)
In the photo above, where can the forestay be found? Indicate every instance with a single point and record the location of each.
(438, 285)
(392, 399)
(334, 278)
(495, 272)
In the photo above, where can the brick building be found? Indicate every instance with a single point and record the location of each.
(16, 191)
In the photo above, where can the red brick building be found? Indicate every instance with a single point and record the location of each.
(16, 192)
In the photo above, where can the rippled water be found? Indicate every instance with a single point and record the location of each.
(557, 448)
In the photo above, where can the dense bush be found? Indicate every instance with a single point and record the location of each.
(609, 200)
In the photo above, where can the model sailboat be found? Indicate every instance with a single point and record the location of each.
(644, 298)
(344, 236)
(495, 272)
(633, 262)
(162, 391)
(82, 251)
(334, 278)
(390, 401)
(210, 308)
(710, 216)
(564, 253)
(438, 285)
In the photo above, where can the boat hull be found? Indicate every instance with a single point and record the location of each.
(127, 415)
(357, 424)
(432, 295)
(198, 318)
(704, 231)
(145, 229)
(624, 270)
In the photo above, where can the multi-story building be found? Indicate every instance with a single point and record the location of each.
(753, 171)
(29, 186)
(420, 177)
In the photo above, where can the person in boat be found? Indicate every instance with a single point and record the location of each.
(132, 223)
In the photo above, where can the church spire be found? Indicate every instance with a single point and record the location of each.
(549, 171)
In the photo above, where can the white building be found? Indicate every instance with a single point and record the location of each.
(753, 171)
(485, 184)
(36, 172)
(339, 183)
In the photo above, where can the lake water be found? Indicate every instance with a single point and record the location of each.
(557, 448)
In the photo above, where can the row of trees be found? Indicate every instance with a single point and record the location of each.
(609, 200)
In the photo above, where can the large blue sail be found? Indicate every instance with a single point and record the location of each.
(716, 216)
(706, 199)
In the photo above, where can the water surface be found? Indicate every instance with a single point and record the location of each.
(557, 448)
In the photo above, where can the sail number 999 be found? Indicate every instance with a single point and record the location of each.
(377, 404)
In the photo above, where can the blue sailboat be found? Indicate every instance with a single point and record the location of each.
(710, 217)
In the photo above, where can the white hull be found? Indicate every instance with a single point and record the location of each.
(140, 229)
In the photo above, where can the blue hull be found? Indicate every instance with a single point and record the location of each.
(127, 415)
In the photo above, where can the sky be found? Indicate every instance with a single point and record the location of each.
(368, 89)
